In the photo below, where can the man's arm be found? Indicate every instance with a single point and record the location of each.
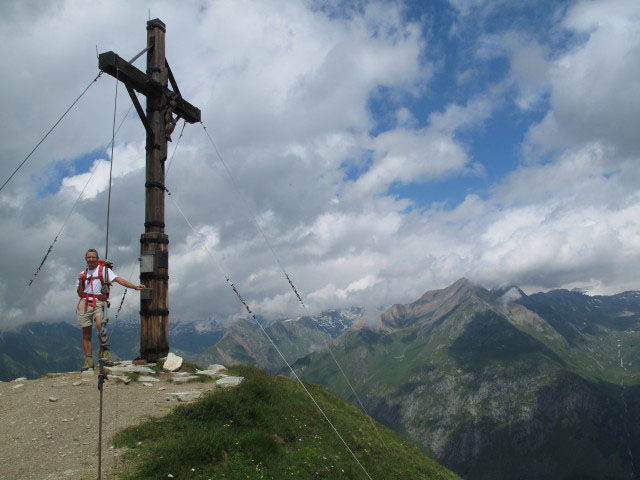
(127, 284)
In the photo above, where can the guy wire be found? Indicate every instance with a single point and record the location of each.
(74, 204)
(295, 290)
(113, 136)
(244, 303)
(50, 130)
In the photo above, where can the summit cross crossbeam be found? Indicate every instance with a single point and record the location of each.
(164, 108)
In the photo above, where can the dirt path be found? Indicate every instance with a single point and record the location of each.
(51, 440)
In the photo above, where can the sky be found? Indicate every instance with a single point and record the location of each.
(374, 150)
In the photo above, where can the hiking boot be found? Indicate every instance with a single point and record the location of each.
(88, 363)
(105, 359)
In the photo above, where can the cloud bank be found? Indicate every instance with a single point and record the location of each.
(327, 120)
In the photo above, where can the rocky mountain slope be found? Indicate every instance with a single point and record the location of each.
(501, 385)
(245, 343)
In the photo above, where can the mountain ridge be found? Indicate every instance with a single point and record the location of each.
(466, 372)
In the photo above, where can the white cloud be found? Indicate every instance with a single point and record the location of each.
(594, 85)
(285, 93)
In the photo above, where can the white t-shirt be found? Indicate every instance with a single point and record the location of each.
(94, 286)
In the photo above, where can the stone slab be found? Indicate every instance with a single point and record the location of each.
(122, 369)
(190, 378)
(229, 382)
(217, 368)
(212, 372)
(146, 378)
(183, 396)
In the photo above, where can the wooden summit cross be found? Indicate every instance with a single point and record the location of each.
(164, 108)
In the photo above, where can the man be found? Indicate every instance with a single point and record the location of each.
(93, 290)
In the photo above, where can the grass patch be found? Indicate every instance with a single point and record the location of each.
(268, 428)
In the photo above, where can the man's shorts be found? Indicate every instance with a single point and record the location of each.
(85, 318)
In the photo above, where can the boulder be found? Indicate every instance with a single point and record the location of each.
(172, 363)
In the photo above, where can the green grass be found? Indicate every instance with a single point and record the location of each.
(268, 428)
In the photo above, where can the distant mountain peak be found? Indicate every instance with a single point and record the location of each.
(434, 304)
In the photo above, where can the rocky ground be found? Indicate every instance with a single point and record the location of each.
(49, 426)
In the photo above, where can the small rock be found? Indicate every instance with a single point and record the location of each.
(76, 384)
(180, 374)
(172, 363)
(16, 387)
(60, 385)
(53, 399)
(20, 379)
(183, 396)
(145, 378)
(120, 378)
(229, 382)
(147, 384)
(162, 388)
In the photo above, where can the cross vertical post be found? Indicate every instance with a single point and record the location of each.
(164, 107)
(154, 311)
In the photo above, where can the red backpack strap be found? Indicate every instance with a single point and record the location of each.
(100, 272)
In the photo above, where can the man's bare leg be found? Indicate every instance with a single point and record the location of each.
(103, 339)
(86, 340)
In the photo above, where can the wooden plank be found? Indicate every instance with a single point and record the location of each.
(117, 67)
(141, 114)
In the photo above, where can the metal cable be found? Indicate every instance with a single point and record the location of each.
(50, 130)
(113, 136)
(244, 303)
(184, 124)
(64, 223)
(293, 287)
(102, 376)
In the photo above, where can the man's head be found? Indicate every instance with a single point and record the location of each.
(92, 258)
